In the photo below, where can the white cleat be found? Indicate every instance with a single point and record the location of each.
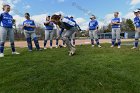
(73, 45)
(92, 45)
(45, 48)
(30, 50)
(133, 47)
(56, 46)
(99, 46)
(119, 46)
(51, 47)
(1, 55)
(72, 52)
(15, 53)
(112, 46)
(64, 45)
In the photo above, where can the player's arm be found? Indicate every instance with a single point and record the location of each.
(112, 23)
(117, 23)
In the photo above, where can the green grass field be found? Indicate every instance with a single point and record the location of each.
(91, 70)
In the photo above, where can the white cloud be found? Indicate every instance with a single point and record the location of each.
(129, 15)
(10, 2)
(27, 7)
(134, 2)
(82, 23)
(107, 18)
(39, 18)
(59, 12)
(19, 19)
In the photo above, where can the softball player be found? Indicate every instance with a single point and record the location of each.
(137, 28)
(116, 24)
(70, 27)
(6, 29)
(93, 28)
(29, 32)
(49, 32)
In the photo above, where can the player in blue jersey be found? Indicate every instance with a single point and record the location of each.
(93, 30)
(137, 27)
(116, 24)
(49, 27)
(70, 26)
(6, 29)
(73, 37)
(29, 32)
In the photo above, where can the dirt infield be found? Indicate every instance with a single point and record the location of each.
(23, 44)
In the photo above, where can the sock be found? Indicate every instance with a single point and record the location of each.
(51, 42)
(13, 47)
(29, 42)
(92, 41)
(45, 43)
(119, 42)
(73, 41)
(97, 41)
(1, 47)
(36, 43)
(57, 42)
(113, 41)
(136, 42)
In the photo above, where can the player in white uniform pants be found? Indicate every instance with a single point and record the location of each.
(66, 23)
(93, 29)
(137, 27)
(49, 32)
(116, 30)
(6, 29)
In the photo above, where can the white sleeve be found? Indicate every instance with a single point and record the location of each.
(68, 21)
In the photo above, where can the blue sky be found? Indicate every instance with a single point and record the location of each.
(73, 7)
(80, 9)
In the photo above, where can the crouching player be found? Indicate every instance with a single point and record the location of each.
(70, 27)
(93, 29)
(6, 29)
(137, 28)
(49, 33)
(29, 32)
(116, 24)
